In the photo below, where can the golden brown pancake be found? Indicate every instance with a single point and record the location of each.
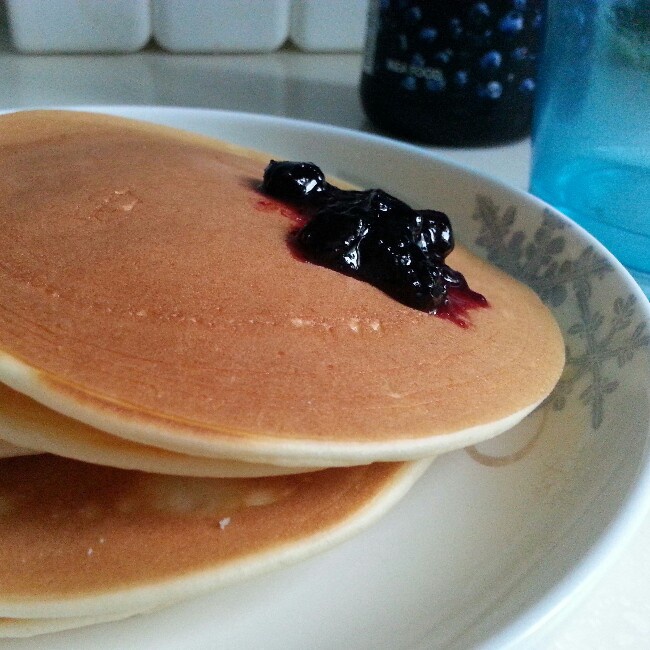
(39, 429)
(147, 290)
(82, 540)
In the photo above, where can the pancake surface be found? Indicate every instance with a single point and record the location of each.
(84, 540)
(147, 289)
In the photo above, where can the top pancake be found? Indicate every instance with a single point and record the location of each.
(147, 289)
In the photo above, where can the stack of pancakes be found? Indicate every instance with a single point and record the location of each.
(183, 402)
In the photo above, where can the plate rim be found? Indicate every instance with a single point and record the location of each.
(575, 586)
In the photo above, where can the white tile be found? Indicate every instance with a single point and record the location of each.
(79, 26)
(335, 25)
(220, 25)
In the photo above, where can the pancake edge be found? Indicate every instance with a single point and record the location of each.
(272, 450)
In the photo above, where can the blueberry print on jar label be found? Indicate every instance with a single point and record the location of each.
(453, 73)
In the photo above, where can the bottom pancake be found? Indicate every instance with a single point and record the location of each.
(82, 540)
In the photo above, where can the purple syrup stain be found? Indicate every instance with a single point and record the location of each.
(459, 303)
(267, 205)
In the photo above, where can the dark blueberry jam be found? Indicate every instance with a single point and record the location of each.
(375, 237)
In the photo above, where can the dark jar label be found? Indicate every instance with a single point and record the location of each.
(456, 72)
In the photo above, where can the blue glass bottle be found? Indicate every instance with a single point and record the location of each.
(591, 135)
(456, 73)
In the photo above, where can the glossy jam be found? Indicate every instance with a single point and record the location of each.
(374, 237)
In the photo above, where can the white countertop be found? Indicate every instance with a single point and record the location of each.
(324, 88)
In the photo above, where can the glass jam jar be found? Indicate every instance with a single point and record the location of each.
(455, 72)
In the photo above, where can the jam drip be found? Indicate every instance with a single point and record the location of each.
(372, 236)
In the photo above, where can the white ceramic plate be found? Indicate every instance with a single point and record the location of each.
(494, 541)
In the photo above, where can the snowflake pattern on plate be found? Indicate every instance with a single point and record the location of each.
(595, 338)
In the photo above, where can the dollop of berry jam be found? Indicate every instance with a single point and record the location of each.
(372, 236)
